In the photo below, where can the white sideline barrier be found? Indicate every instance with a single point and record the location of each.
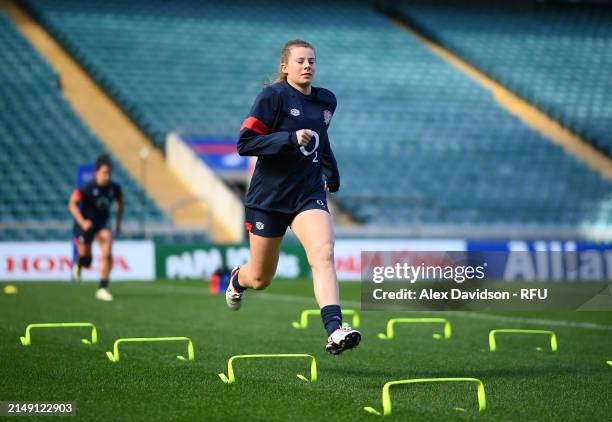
(347, 252)
(39, 261)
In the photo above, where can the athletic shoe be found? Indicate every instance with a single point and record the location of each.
(76, 272)
(104, 295)
(233, 298)
(344, 338)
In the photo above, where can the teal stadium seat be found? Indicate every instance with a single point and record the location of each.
(556, 56)
(437, 148)
(43, 142)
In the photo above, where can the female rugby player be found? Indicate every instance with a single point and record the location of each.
(90, 207)
(286, 130)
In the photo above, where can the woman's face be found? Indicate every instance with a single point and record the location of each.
(103, 175)
(301, 66)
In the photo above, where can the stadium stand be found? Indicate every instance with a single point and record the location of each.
(556, 56)
(418, 143)
(42, 143)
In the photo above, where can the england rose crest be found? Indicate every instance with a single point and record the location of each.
(327, 115)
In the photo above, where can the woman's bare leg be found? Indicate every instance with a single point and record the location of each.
(315, 232)
(259, 271)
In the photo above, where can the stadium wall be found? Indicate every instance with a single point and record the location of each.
(148, 260)
(203, 183)
(52, 261)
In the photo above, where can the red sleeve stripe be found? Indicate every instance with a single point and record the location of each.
(255, 125)
(77, 193)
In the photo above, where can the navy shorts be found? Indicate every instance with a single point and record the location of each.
(83, 237)
(274, 224)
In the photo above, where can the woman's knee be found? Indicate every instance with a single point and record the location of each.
(322, 255)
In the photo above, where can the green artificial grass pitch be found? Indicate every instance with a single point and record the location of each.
(150, 383)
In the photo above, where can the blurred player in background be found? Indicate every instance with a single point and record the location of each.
(287, 130)
(90, 206)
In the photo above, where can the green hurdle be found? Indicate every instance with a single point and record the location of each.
(390, 334)
(303, 323)
(231, 378)
(493, 343)
(114, 357)
(27, 339)
(386, 394)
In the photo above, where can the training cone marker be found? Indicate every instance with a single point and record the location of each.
(390, 334)
(114, 357)
(230, 378)
(10, 290)
(303, 322)
(609, 362)
(386, 394)
(493, 342)
(27, 339)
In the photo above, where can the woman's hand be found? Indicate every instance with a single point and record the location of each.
(86, 225)
(303, 137)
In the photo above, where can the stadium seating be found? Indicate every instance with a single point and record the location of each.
(417, 141)
(42, 142)
(556, 56)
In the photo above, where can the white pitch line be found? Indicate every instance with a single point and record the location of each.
(464, 314)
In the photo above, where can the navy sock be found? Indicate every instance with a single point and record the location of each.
(332, 318)
(237, 285)
(104, 283)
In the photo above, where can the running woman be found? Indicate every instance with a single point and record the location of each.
(90, 207)
(286, 130)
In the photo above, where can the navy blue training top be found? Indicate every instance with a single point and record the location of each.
(96, 201)
(287, 175)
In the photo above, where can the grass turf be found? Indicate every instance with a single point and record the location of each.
(150, 383)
